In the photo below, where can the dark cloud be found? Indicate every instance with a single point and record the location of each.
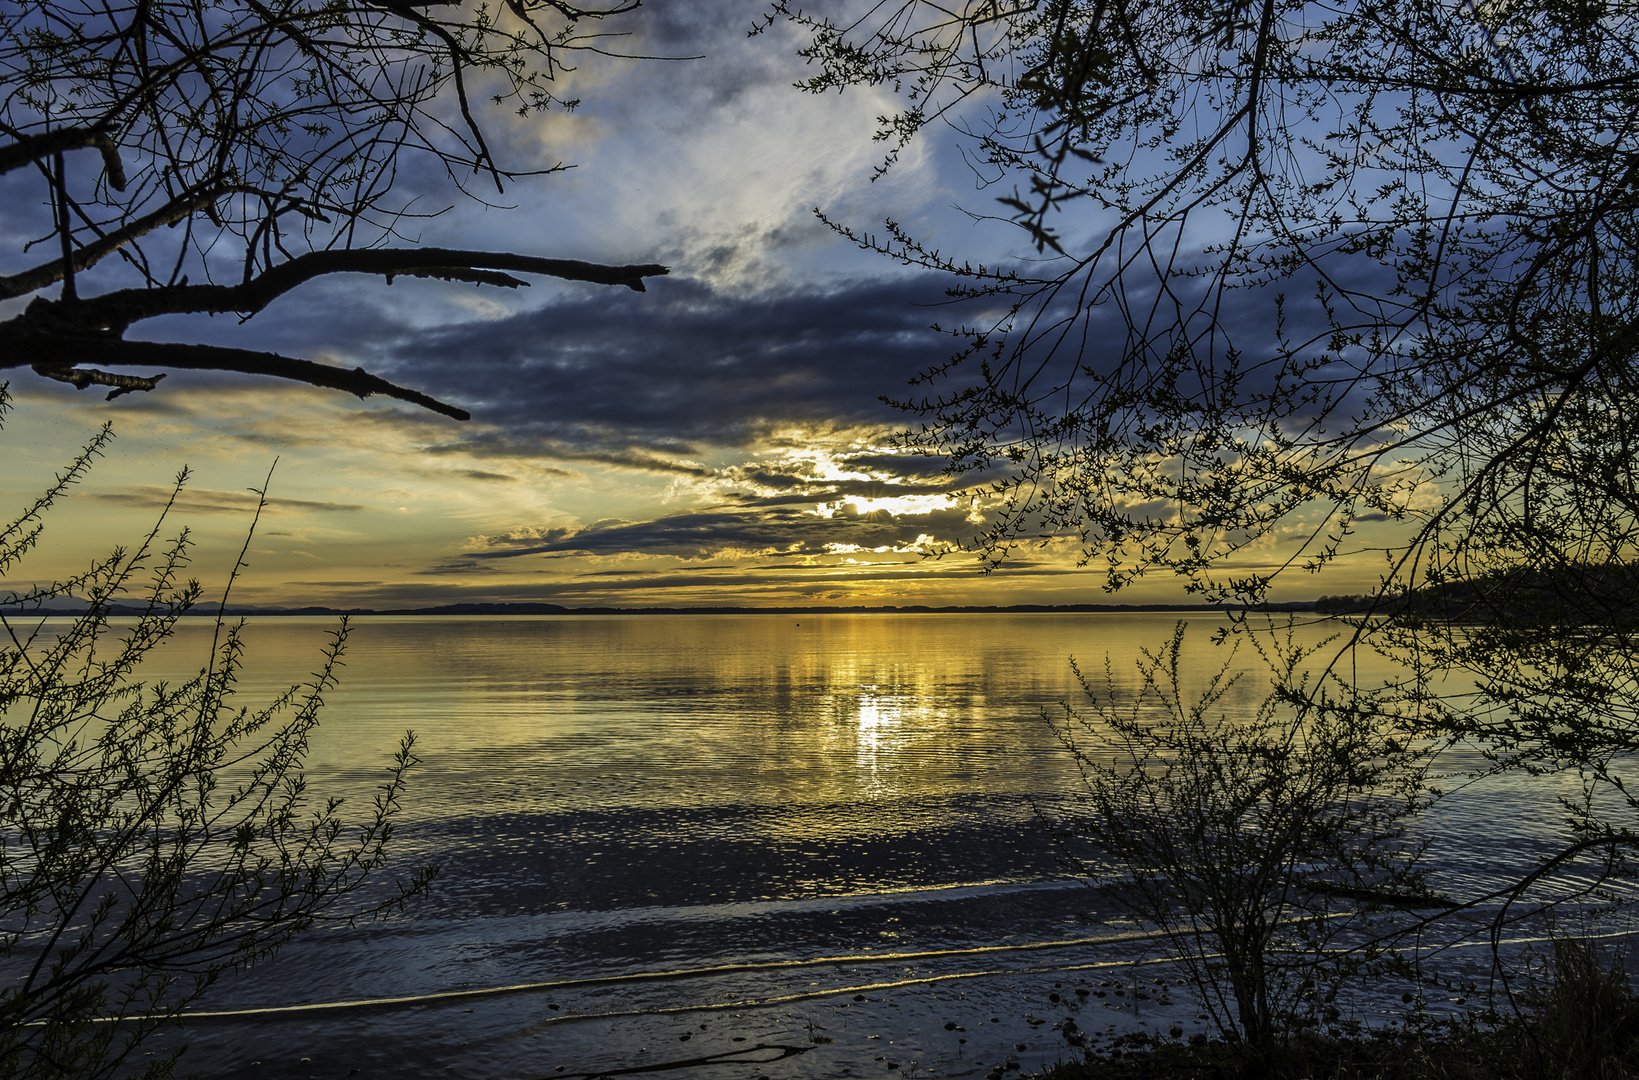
(529, 537)
(205, 501)
(726, 66)
(598, 371)
(832, 490)
(460, 568)
(710, 532)
(896, 464)
(606, 375)
(876, 574)
(505, 444)
(764, 478)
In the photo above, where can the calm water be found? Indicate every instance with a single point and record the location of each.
(616, 795)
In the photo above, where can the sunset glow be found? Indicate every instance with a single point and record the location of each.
(718, 439)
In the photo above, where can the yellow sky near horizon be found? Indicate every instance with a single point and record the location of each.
(364, 511)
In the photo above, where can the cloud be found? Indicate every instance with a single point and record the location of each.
(205, 501)
(460, 568)
(798, 576)
(526, 536)
(806, 501)
(649, 382)
(500, 443)
(893, 464)
(680, 367)
(744, 531)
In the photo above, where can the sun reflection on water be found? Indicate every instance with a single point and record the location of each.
(877, 732)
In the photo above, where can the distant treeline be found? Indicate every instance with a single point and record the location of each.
(1570, 594)
(1351, 604)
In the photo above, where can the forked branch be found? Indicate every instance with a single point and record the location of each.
(56, 338)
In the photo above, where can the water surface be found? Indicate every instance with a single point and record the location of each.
(629, 794)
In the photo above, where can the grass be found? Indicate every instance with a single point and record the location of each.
(1581, 1021)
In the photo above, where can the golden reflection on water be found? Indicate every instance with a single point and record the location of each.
(827, 712)
(469, 683)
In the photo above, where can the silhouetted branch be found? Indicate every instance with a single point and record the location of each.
(58, 360)
(272, 133)
(55, 337)
(118, 310)
(80, 378)
(36, 278)
(31, 148)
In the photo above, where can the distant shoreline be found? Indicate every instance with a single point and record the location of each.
(209, 610)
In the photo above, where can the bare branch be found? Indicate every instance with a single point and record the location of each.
(31, 148)
(274, 134)
(50, 355)
(118, 310)
(80, 378)
(51, 272)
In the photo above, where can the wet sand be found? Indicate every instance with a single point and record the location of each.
(1016, 1013)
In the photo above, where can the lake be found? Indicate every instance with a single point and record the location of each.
(840, 808)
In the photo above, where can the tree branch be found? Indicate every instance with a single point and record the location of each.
(39, 277)
(118, 310)
(48, 357)
(55, 337)
(31, 148)
(80, 378)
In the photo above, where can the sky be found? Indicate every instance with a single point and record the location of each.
(716, 440)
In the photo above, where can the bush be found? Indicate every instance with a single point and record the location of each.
(1581, 1022)
(1584, 1018)
(1256, 840)
(152, 837)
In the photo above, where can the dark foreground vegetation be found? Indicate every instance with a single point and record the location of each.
(1581, 1021)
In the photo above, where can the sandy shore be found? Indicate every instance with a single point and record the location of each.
(1008, 1015)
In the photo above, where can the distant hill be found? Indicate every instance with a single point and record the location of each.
(1568, 595)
